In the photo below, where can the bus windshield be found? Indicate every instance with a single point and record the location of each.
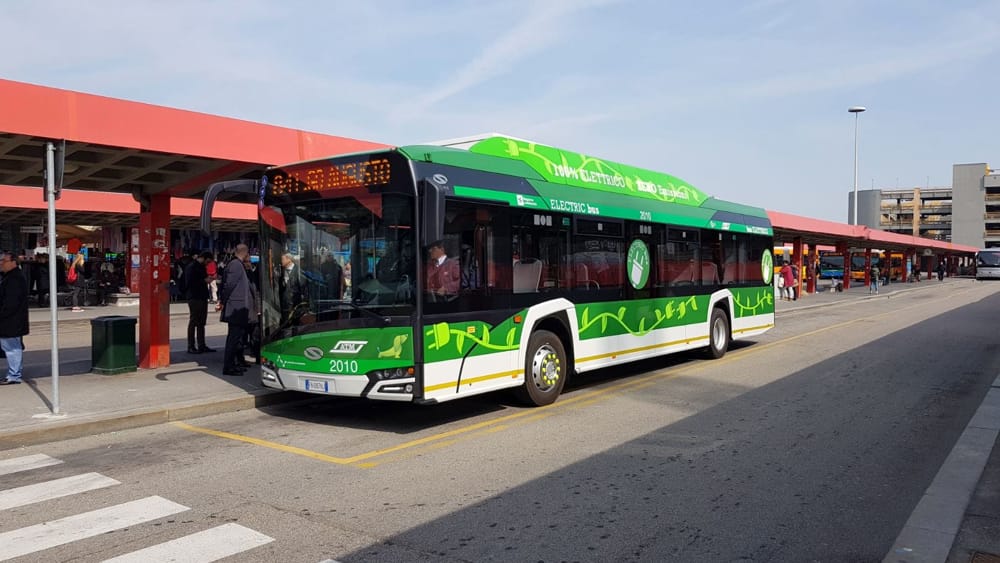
(988, 258)
(341, 261)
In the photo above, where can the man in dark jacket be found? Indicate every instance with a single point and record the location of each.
(195, 283)
(238, 308)
(13, 315)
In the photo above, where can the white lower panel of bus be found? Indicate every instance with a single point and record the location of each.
(752, 326)
(478, 374)
(596, 353)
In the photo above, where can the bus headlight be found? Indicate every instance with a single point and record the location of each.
(391, 373)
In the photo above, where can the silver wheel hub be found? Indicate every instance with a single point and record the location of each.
(718, 334)
(545, 368)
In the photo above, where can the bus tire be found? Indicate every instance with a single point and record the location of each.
(545, 369)
(718, 334)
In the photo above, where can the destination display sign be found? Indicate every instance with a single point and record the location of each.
(329, 176)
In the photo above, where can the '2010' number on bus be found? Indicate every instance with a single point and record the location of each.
(344, 366)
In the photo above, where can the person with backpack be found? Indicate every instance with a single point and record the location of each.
(77, 279)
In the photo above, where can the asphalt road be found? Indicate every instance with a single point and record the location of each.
(813, 443)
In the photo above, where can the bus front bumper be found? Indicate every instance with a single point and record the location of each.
(337, 385)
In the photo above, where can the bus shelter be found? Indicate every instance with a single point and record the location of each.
(149, 153)
(846, 240)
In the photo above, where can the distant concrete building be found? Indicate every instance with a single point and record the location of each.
(966, 213)
(922, 212)
(977, 205)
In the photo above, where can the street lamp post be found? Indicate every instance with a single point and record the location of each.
(855, 110)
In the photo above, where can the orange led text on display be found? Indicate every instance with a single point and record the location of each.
(332, 177)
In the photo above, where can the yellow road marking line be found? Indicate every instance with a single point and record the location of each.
(539, 412)
(585, 398)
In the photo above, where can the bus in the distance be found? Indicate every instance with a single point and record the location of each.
(492, 264)
(988, 264)
(831, 266)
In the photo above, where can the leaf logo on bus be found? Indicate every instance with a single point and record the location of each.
(348, 347)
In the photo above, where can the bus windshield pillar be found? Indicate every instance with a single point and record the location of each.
(154, 283)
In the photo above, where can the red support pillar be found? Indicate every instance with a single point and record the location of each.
(811, 269)
(868, 267)
(797, 259)
(905, 267)
(846, 253)
(154, 283)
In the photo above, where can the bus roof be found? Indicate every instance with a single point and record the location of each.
(558, 175)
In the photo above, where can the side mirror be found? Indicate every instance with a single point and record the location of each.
(212, 193)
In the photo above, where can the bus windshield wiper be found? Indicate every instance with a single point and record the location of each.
(386, 321)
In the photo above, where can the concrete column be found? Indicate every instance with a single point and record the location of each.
(154, 282)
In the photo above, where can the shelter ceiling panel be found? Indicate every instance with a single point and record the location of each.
(104, 168)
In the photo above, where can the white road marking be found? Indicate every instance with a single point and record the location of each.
(201, 547)
(89, 524)
(57, 488)
(8, 466)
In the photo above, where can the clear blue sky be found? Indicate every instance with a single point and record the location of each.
(745, 100)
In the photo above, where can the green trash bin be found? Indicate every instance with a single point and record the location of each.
(112, 348)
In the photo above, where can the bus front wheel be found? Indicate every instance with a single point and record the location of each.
(544, 369)
(718, 334)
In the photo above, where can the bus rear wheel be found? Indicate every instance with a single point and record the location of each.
(718, 334)
(544, 369)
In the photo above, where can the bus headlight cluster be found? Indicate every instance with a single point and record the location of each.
(407, 388)
(268, 372)
(391, 373)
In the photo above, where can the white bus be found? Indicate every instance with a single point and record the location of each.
(988, 264)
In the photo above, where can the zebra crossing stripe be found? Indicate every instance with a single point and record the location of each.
(210, 545)
(8, 466)
(54, 533)
(57, 488)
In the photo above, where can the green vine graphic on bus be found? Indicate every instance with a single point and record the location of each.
(446, 341)
(752, 301)
(575, 169)
(639, 318)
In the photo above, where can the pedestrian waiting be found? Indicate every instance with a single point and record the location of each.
(13, 315)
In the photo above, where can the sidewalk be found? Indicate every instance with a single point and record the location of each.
(192, 386)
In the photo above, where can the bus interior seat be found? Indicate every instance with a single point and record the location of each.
(583, 277)
(731, 273)
(709, 272)
(527, 275)
(679, 273)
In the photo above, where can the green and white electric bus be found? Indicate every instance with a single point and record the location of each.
(547, 263)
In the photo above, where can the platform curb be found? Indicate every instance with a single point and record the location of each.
(55, 431)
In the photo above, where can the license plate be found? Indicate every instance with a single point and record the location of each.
(312, 385)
